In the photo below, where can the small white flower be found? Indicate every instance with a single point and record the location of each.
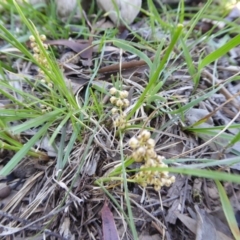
(43, 37)
(160, 159)
(133, 143)
(168, 183)
(50, 85)
(119, 103)
(126, 102)
(116, 123)
(113, 91)
(32, 38)
(33, 44)
(36, 56)
(150, 153)
(164, 174)
(145, 135)
(173, 179)
(114, 110)
(141, 151)
(45, 46)
(36, 49)
(150, 143)
(113, 100)
(123, 94)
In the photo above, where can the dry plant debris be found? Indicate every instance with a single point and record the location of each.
(180, 124)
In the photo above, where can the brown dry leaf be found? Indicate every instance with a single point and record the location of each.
(102, 25)
(108, 224)
(175, 191)
(128, 10)
(83, 47)
(191, 224)
(145, 236)
(205, 227)
(219, 220)
(76, 85)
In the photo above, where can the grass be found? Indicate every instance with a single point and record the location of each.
(79, 126)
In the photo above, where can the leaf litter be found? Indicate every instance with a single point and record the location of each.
(73, 207)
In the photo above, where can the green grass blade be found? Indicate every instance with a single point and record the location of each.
(219, 52)
(126, 192)
(125, 46)
(24, 150)
(156, 74)
(228, 211)
(36, 121)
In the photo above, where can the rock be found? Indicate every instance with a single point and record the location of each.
(126, 9)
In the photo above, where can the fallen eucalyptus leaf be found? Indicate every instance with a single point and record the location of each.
(108, 224)
(82, 47)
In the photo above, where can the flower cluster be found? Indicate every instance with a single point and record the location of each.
(143, 151)
(38, 55)
(119, 99)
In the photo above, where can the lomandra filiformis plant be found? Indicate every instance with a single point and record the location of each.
(143, 151)
(40, 57)
(120, 101)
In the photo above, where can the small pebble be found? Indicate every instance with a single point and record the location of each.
(5, 190)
